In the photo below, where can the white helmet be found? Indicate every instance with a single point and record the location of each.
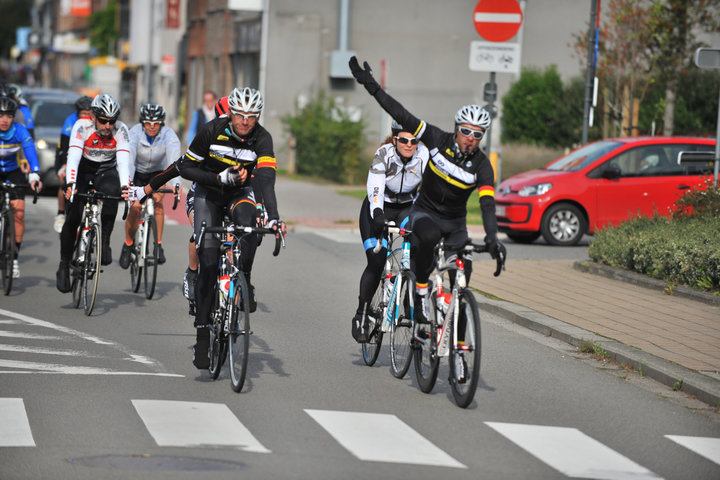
(474, 115)
(104, 105)
(246, 100)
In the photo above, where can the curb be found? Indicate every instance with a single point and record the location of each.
(705, 388)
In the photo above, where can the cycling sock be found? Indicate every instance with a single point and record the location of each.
(421, 288)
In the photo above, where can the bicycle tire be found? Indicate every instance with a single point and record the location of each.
(427, 363)
(91, 270)
(8, 249)
(216, 334)
(465, 357)
(151, 255)
(239, 333)
(371, 347)
(76, 271)
(401, 328)
(136, 269)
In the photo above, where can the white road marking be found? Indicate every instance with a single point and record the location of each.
(34, 336)
(14, 425)
(195, 424)
(381, 438)
(34, 367)
(708, 447)
(572, 453)
(47, 351)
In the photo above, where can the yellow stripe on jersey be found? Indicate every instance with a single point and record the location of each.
(447, 178)
(267, 162)
(486, 191)
(419, 129)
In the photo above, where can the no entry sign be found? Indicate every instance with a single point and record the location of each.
(497, 20)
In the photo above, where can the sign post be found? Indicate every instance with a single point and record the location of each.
(710, 58)
(497, 21)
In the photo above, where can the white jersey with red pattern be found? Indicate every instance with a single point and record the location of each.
(85, 142)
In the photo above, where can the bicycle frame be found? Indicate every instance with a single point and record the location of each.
(148, 210)
(394, 299)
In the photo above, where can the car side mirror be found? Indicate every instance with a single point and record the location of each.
(612, 172)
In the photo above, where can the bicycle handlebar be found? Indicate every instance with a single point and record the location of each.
(170, 190)
(483, 248)
(13, 186)
(390, 227)
(94, 195)
(238, 230)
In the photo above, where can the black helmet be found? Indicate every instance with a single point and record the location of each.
(83, 103)
(151, 112)
(396, 128)
(8, 105)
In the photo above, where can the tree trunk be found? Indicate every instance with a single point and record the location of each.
(669, 115)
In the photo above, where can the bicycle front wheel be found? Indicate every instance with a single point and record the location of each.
(136, 259)
(216, 335)
(8, 250)
(401, 328)
(465, 352)
(91, 272)
(427, 362)
(77, 270)
(239, 332)
(371, 348)
(151, 255)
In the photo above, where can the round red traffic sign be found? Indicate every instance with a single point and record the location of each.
(497, 20)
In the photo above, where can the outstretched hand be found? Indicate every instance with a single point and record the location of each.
(364, 75)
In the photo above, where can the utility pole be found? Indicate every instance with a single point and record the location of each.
(149, 65)
(590, 75)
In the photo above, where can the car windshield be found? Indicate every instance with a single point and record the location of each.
(582, 157)
(51, 113)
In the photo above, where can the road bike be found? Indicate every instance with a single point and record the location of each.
(230, 315)
(85, 266)
(8, 247)
(144, 255)
(392, 304)
(454, 326)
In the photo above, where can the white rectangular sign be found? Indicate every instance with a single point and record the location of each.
(495, 57)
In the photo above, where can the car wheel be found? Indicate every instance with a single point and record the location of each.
(563, 224)
(523, 237)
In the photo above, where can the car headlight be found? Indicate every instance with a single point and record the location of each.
(41, 144)
(532, 190)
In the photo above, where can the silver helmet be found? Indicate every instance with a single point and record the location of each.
(246, 100)
(473, 115)
(104, 105)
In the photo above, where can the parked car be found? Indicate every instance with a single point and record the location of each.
(50, 108)
(602, 183)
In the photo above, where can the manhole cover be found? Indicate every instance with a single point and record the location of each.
(158, 462)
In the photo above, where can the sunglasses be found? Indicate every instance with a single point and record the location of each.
(105, 121)
(246, 116)
(151, 124)
(477, 134)
(406, 140)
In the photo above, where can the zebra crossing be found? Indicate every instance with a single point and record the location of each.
(369, 437)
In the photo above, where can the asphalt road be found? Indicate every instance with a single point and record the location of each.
(115, 395)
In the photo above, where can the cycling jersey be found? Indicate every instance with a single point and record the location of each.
(29, 122)
(215, 148)
(12, 141)
(392, 180)
(87, 144)
(156, 155)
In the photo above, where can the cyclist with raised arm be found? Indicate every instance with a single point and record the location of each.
(82, 110)
(457, 167)
(14, 138)
(230, 159)
(392, 186)
(99, 151)
(154, 147)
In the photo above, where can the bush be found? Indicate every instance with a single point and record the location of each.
(328, 144)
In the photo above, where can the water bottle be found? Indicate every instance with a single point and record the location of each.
(83, 243)
(387, 288)
(405, 262)
(224, 287)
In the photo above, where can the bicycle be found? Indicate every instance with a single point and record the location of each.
(392, 304)
(144, 255)
(230, 315)
(454, 328)
(87, 251)
(8, 247)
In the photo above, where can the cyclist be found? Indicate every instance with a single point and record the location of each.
(457, 166)
(99, 151)
(14, 138)
(82, 110)
(230, 158)
(154, 148)
(16, 94)
(392, 186)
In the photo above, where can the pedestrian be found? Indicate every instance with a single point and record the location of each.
(202, 115)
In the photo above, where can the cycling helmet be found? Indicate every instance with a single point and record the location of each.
(221, 107)
(473, 115)
(246, 100)
(83, 103)
(104, 105)
(8, 105)
(151, 112)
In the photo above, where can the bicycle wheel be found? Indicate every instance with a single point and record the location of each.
(151, 254)
(427, 362)
(465, 354)
(91, 272)
(136, 263)
(216, 334)
(371, 348)
(8, 249)
(239, 333)
(77, 267)
(401, 328)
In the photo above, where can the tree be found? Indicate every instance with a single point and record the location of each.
(103, 28)
(15, 13)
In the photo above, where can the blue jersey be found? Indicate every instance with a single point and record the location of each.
(11, 141)
(29, 122)
(69, 122)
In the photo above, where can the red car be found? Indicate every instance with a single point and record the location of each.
(604, 182)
